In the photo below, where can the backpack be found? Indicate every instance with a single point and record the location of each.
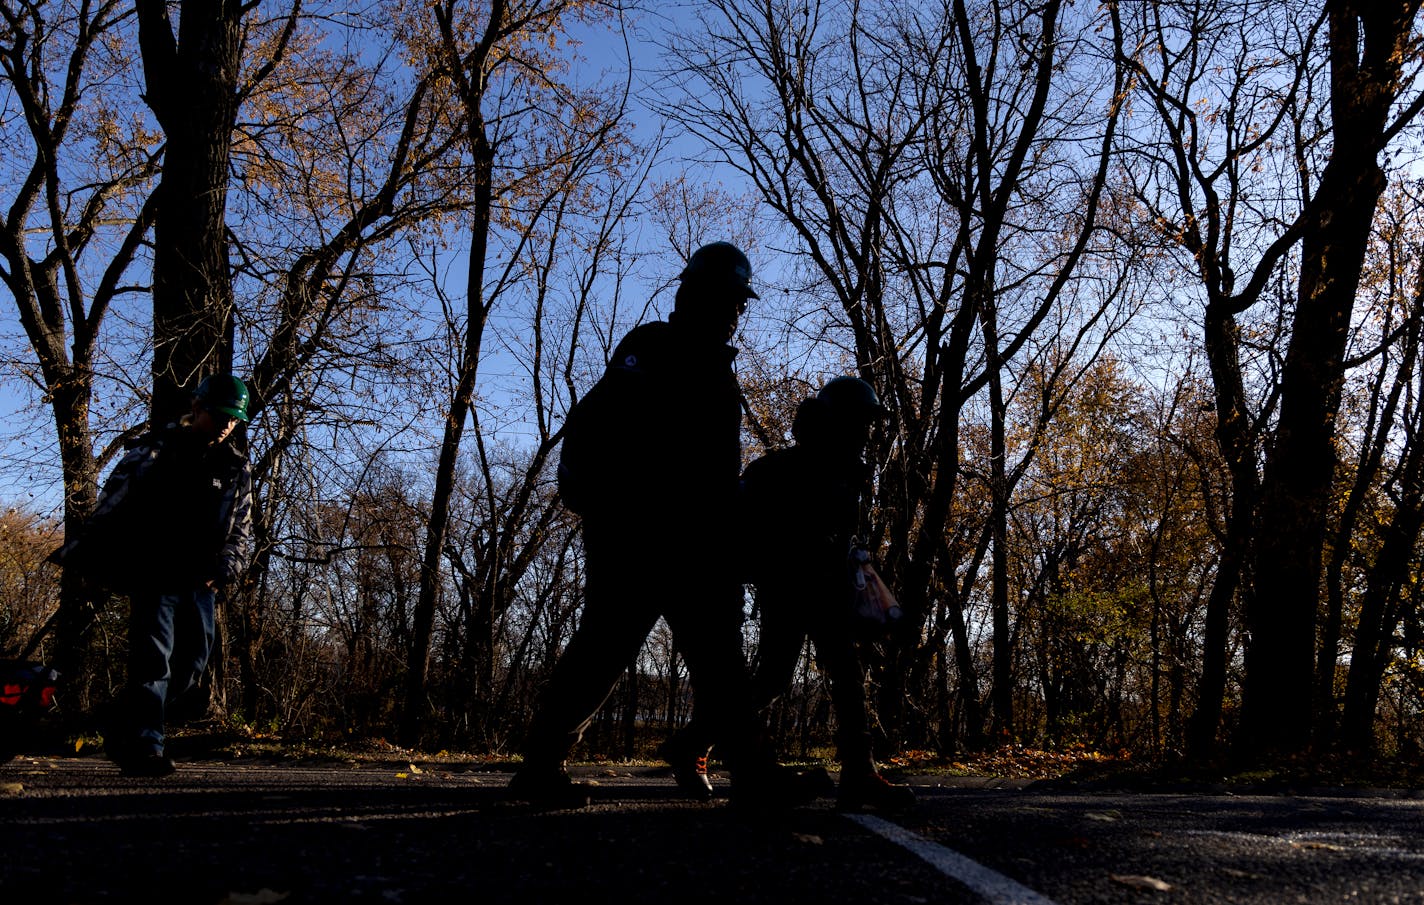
(601, 448)
(583, 471)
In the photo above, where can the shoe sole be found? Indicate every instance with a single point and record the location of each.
(695, 786)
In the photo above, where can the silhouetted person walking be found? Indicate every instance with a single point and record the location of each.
(800, 511)
(650, 461)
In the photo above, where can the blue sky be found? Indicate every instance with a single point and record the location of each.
(29, 475)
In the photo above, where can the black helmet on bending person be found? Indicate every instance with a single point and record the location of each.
(851, 398)
(720, 265)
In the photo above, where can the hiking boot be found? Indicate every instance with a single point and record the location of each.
(692, 778)
(871, 791)
(777, 788)
(549, 788)
(689, 766)
(151, 765)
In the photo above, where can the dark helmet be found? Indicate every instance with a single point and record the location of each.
(851, 397)
(720, 264)
(809, 424)
(223, 393)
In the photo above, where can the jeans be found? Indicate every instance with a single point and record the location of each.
(170, 638)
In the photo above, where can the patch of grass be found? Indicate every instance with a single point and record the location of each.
(1316, 775)
(224, 740)
(1007, 762)
(1072, 767)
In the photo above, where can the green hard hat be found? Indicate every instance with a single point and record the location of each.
(223, 393)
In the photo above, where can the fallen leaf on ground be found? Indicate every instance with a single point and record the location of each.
(414, 769)
(11, 788)
(1319, 846)
(808, 838)
(1240, 874)
(1136, 881)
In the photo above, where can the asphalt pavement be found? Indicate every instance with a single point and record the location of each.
(73, 830)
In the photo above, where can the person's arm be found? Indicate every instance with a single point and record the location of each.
(90, 551)
(236, 552)
(123, 482)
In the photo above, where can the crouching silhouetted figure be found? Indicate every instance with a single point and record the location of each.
(172, 525)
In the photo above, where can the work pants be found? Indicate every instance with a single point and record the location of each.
(628, 585)
(170, 640)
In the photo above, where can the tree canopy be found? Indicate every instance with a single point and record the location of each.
(1140, 285)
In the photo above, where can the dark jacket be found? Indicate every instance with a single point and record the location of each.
(174, 514)
(800, 511)
(653, 450)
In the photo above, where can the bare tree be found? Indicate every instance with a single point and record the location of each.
(1369, 47)
(194, 83)
(1202, 188)
(1375, 540)
(531, 139)
(1384, 350)
(79, 174)
(910, 154)
(1266, 118)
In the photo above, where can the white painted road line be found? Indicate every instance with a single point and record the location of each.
(992, 886)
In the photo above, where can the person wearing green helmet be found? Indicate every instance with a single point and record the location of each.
(172, 526)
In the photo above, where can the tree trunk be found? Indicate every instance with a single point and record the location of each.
(191, 83)
(1378, 429)
(968, 676)
(1236, 438)
(1278, 713)
(79, 604)
(1002, 729)
(423, 619)
(1379, 609)
(416, 702)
